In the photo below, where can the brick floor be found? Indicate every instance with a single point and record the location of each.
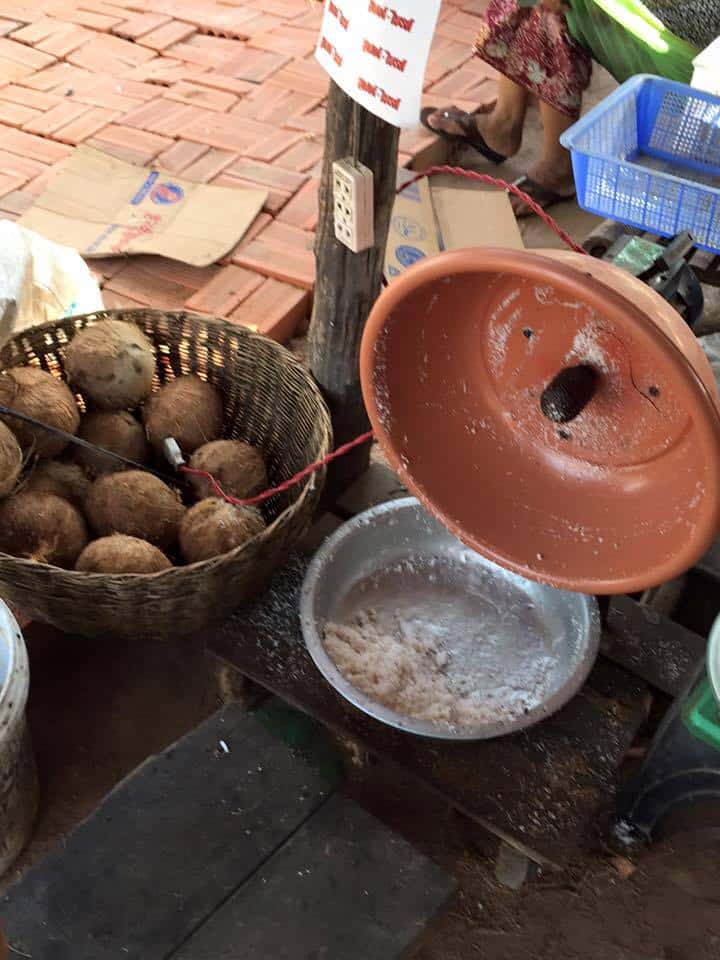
(217, 91)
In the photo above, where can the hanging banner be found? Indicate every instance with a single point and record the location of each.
(377, 53)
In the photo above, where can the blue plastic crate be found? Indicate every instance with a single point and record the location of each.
(649, 156)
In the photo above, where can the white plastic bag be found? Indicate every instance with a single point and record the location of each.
(40, 281)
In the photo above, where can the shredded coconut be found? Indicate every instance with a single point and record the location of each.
(411, 666)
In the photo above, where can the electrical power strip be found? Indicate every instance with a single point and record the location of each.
(354, 205)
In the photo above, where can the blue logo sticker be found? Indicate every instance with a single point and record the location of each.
(409, 229)
(145, 189)
(393, 271)
(412, 192)
(167, 193)
(408, 255)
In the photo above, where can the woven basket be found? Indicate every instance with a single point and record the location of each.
(270, 401)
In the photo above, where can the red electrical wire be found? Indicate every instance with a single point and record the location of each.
(368, 437)
(503, 185)
(286, 484)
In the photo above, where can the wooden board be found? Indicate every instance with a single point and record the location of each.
(343, 887)
(545, 790)
(377, 484)
(168, 845)
(710, 563)
(662, 652)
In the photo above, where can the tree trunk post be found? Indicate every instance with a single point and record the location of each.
(348, 283)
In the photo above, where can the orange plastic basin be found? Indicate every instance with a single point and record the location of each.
(456, 356)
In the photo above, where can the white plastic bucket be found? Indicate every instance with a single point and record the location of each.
(18, 775)
(713, 659)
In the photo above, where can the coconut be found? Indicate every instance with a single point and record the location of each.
(120, 554)
(112, 363)
(187, 409)
(213, 527)
(237, 467)
(10, 460)
(42, 527)
(137, 504)
(118, 432)
(38, 394)
(60, 478)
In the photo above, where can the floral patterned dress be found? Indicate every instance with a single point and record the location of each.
(533, 47)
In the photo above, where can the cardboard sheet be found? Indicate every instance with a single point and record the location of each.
(445, 213)
(413, 231)
(473, 215)
(105, 207)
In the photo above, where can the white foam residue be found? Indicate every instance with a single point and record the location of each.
(586, 348)
(506, 302)
(432, 302)
(498, 336)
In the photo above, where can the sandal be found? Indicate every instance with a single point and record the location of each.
(473, 138)
(540, 194)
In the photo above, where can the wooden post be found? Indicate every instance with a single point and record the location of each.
(347, 283)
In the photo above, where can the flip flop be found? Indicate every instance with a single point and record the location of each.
(540, 194)
(471, 139)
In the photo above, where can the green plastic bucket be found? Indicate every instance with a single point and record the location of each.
(701, 712)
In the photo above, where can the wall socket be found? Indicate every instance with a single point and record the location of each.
(353, 204)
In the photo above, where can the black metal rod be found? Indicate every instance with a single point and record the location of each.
(78, 441)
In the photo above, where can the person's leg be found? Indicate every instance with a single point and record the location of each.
(500, 123)
(553, 169)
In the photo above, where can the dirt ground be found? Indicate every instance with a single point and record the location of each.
(97, 711)
(667, 910)
(661, 904)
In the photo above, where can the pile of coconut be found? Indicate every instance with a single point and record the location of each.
(73, 507)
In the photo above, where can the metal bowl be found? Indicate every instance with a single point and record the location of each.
(499, 628)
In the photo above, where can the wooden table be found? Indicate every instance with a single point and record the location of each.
(547, 790)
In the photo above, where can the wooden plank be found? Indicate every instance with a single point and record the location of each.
(376, 485)
(706, 267)
(169, 844)
(651, 645)
(325, 525)
(343, 887)
(543, 790)
(710, 563)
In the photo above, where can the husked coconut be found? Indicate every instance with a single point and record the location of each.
(213, 527)
(38, 394)
(188, 409)
(137, 504)
(238, 468)
(121, 554)
(10, 460)
(61, 478)
(42, 527)
(117, 431)
(112, 363)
